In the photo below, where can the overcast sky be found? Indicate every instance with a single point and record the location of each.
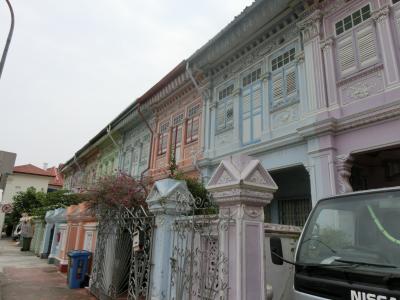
(74, 65)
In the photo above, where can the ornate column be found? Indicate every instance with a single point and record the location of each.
(310, 30)
(241, 188)
(163, 203)
(387, 46)
(329, 60)
(344, 164)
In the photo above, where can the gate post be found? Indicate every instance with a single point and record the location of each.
(241, 187)
(163, 204)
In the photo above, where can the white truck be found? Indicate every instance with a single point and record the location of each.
(349, 248)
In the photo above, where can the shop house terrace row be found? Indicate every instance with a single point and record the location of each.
(310, 88)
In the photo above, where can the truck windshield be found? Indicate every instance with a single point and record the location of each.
(360, 230)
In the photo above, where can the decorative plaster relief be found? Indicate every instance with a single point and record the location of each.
(253, 212)
(381, 15)
(256, 177)
(310, 27)
(285, 116)
(344, 164)
(366, 86)
(225, 178)
(258, 53)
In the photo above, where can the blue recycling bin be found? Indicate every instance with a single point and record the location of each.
(78, 267)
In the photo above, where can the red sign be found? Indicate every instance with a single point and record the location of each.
(6, 208)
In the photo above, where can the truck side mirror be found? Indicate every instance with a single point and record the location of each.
(275, 245)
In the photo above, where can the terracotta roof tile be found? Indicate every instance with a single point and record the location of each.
(58, 179)
(31, 169)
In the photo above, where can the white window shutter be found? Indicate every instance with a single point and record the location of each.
(397, 21)
(291, 85)
(367, 48)
(246, 103)
(346, 55)
(277, 87)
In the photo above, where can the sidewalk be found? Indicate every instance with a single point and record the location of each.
(23, 276)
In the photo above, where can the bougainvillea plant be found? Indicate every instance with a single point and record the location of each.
(119, 190)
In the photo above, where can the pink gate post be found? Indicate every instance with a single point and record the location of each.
(241, 187)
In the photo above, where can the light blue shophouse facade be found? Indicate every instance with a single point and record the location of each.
(257, 98)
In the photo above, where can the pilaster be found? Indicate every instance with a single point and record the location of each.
(381, 17)
(329, 60)
(311, 31)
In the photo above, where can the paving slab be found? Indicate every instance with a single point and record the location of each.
(24, 276)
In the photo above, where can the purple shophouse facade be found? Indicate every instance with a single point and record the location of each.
(312, 90)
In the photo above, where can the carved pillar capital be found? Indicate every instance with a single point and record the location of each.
(381, 14)
(327, 44)
(344, 163)
(300, 57)
(311, 26)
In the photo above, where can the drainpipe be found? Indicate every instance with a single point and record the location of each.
(151, 141)
(203, 116)
(76, 162)
(110, 136)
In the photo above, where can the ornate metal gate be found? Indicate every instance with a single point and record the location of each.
(198, 264)
(121, 265)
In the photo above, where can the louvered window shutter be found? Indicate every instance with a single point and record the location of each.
(291, 85)
(367, 48)
(277, 87)
(246, 117)
(397, 21)
(257, 112)
(346, 56)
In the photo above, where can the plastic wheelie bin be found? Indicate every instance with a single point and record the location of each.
(78, 267)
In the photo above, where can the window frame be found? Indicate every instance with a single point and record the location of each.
(191, 118)
(250, 88)
(161, 135)
(282, 72)
(352, 35)
(225, 102)
(334, 24)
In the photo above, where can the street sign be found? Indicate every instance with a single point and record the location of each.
(6, 208)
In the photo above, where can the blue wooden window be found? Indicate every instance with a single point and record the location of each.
(251, 119)
(224, 114)
(284, 82)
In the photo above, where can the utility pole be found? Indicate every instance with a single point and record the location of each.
(10, 33)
